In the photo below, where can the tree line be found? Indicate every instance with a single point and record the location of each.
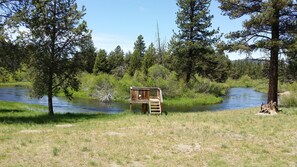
(57, 45)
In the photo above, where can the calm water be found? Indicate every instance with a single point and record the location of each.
(236, 98)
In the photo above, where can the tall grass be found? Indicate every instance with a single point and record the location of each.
(289, 100)
(199, 99)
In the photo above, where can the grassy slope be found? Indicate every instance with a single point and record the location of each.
(229, 138)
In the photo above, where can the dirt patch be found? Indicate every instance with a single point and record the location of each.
(188, 148)
(266, 114)
(35, 131)
(64, 126)
(114, 134)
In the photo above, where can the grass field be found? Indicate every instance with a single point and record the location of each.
(228, 138)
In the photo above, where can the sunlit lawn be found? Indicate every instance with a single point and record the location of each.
(228, 138)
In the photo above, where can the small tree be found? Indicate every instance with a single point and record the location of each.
(55, 31)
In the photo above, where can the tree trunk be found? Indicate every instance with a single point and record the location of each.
(50, 105)
(50, 94)
(273, 69)
(189, 67)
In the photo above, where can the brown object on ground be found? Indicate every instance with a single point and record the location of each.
(270, 108)
(151, 99)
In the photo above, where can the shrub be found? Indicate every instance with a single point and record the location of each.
(101, 86)
(203, 85)
(123, 86)
(159, 76)
(288, 100)
(104, 88)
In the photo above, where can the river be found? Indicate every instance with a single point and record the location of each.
(236, 98)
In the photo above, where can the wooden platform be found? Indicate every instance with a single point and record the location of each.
(150, 97)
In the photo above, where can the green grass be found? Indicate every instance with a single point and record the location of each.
(15, 84)
(228, 138)
(260, 85)
(199, 99)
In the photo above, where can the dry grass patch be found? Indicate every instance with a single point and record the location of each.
(228, 138)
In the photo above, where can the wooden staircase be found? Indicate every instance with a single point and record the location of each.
(155, 106)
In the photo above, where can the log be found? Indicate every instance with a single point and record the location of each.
(269, 108)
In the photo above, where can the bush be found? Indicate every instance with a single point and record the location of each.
(205, 86)
(123, 87)
(288, 100)
(104, 88)
(101, 86)
(159, 76)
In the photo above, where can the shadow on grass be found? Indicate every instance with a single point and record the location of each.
(25, 117)
(9, 111)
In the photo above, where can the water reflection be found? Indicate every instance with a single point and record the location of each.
(236, 98)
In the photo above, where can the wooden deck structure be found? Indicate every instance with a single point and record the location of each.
(151, 99)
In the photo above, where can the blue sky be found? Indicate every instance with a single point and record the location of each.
(119, 22)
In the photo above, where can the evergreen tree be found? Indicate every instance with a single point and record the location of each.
(148, 59)
(101, 64)
(214, 66)
(140, 45)
(137, 56)
(11, 53)
(87, 54)
(292, 67)
(135, 62)
(270, 26)
(116, 58)
(9, 8)
(116, 62)
(55, 31)
(194, 39)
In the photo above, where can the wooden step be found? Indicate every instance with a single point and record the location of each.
(155, 106)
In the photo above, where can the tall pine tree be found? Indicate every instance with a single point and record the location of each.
(194, 39)
(137, 56)
(271, 25)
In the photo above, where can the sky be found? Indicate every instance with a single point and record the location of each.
(120, 22)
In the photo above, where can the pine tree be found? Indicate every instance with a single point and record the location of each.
(135, 62)
(149, 59)
(87, 54)
(55, 31)
(137, 56)
(270, 26)
(101, 64)
(140, 45)
(194, 39)
(116, 58)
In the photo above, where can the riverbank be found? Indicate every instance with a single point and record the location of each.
(229, 138)
(11, 84)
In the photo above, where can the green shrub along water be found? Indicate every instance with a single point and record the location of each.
(106, 87)
(109, 87)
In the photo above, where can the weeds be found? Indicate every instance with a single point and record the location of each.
(289, 100)
(56, 151)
